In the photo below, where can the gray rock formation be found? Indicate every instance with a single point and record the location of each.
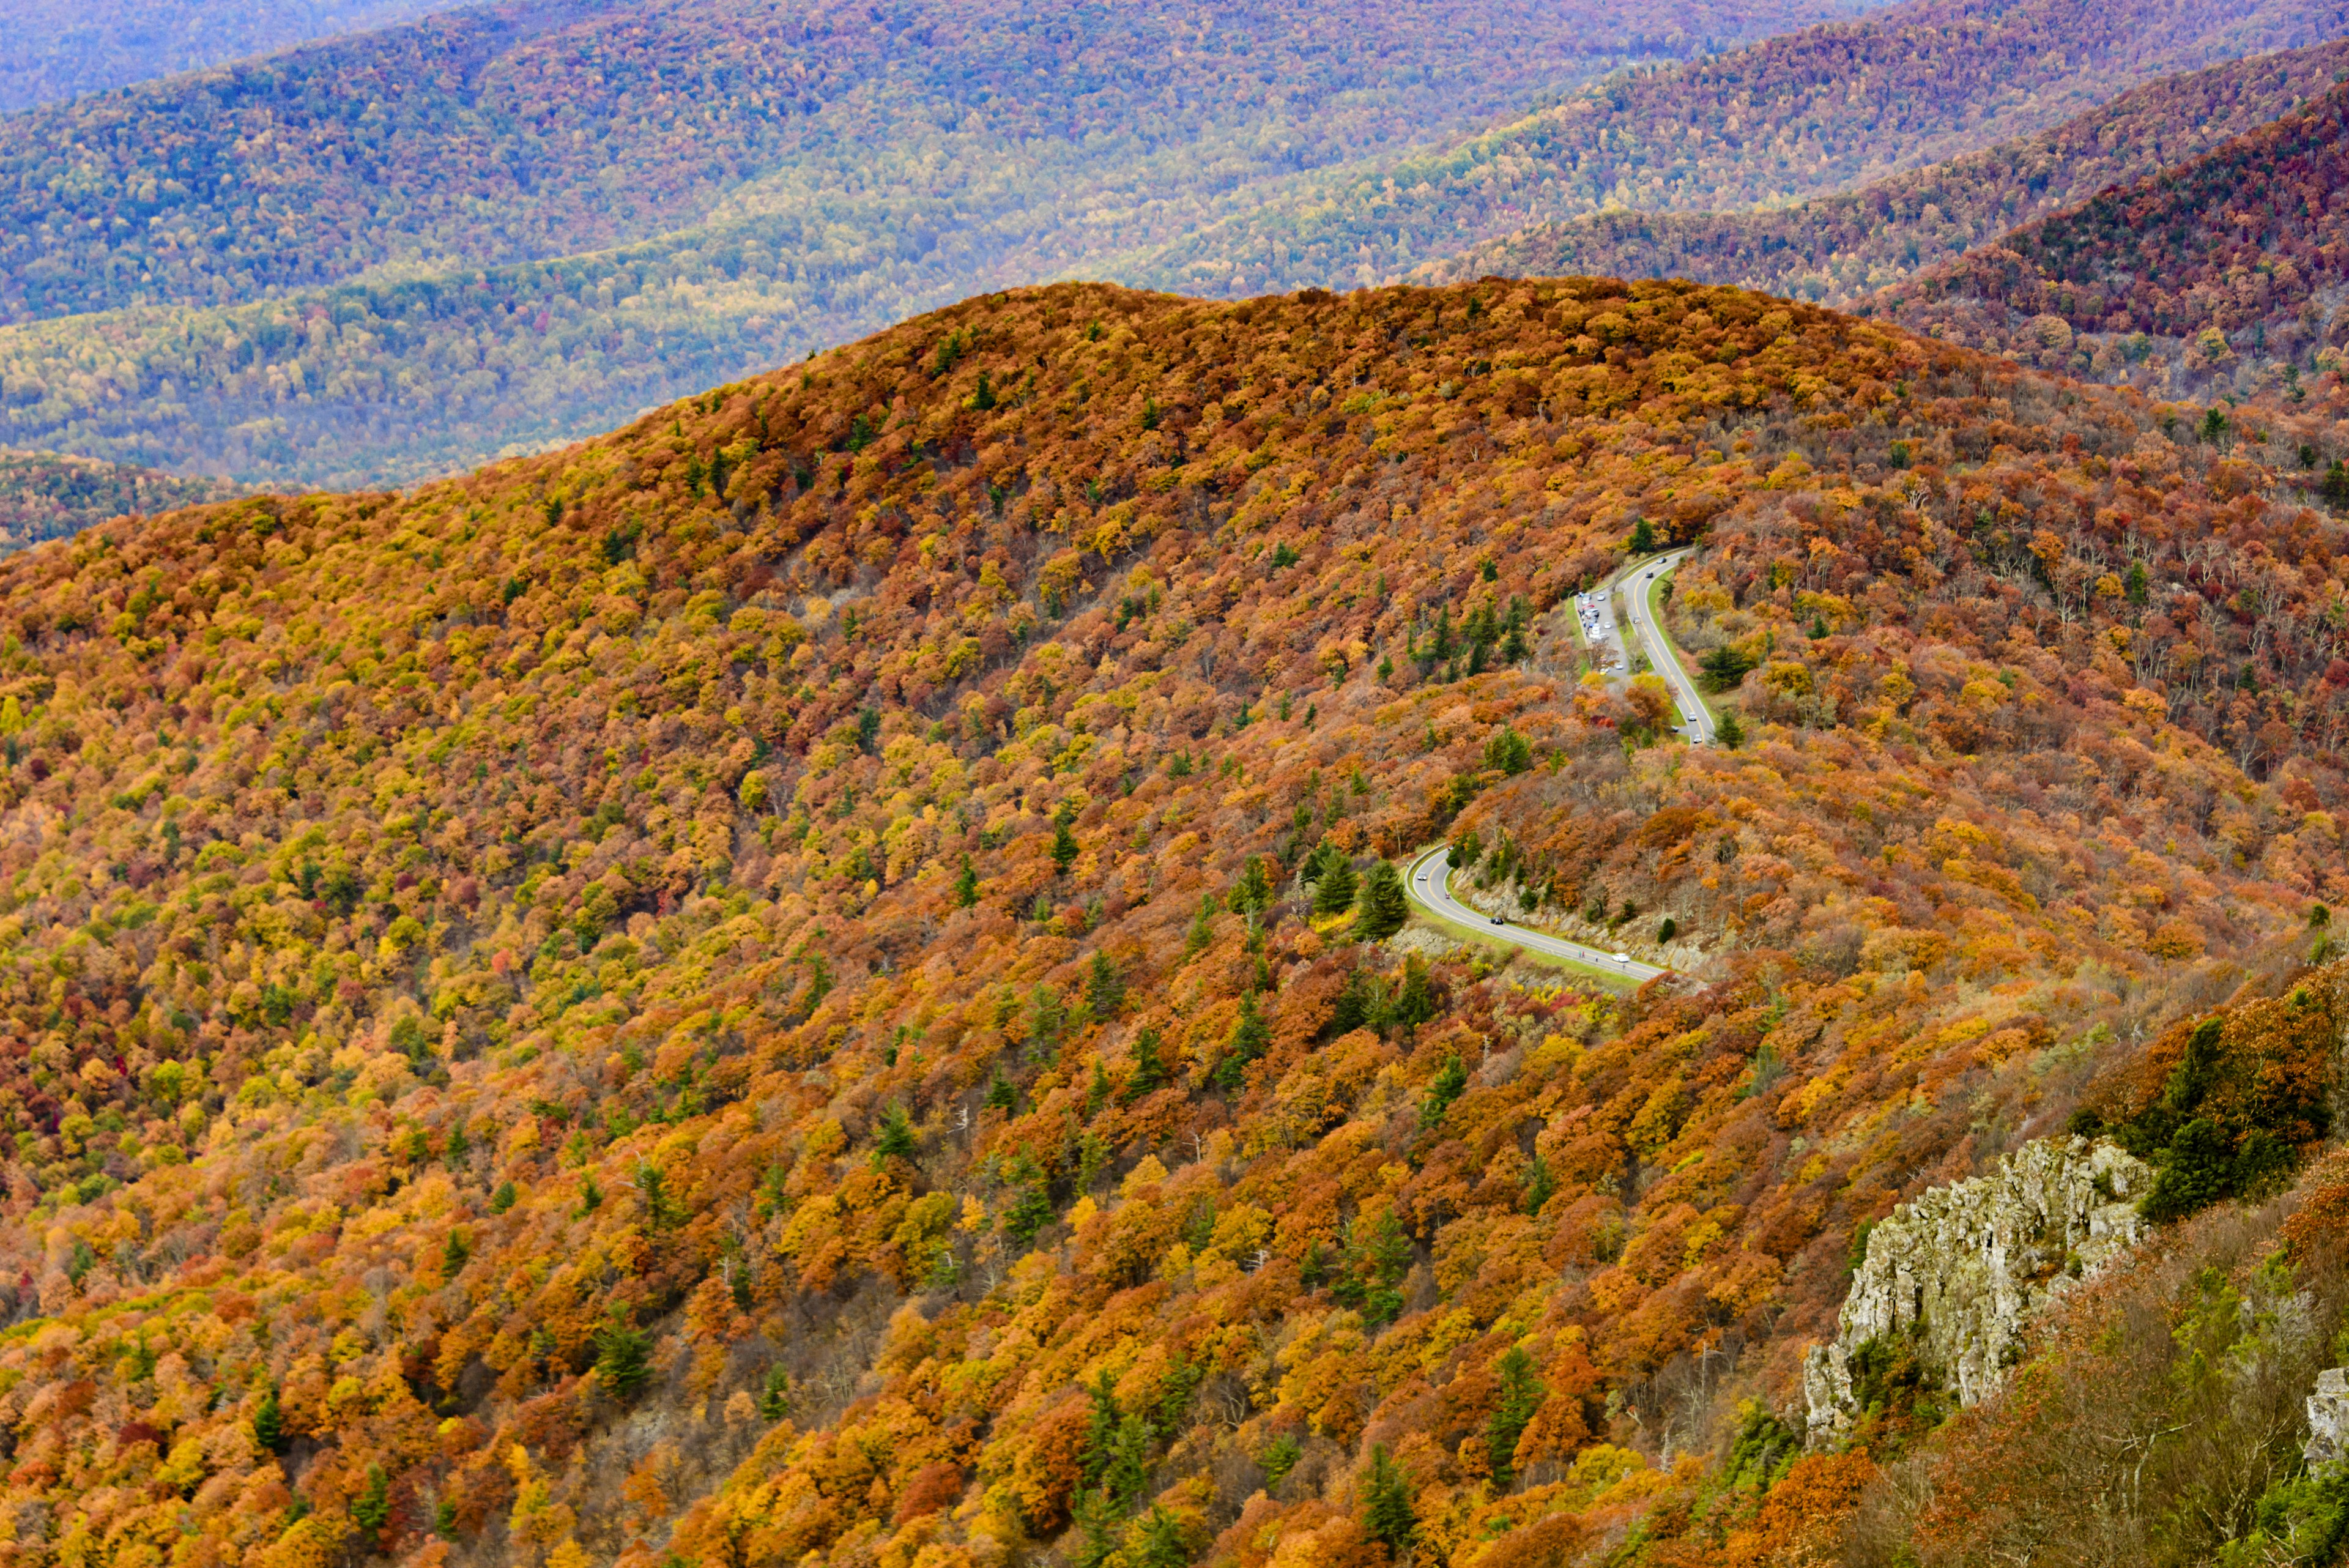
(1963, 1268)
(2328, 1418)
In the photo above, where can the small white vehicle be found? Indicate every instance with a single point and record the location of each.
(1622, 958)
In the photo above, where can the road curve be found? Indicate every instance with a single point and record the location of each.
(1428, 883)
(1695, 716)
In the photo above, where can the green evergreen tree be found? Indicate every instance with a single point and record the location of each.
(1386, 1500)
(1643, 538)
(1729, 731)
(1099, 1528)
(623, 1356)
(1540, 1185)
(1451, 1081)
(1334, 894)
(371, 1509)
(1148, 1073)
(1202, 927)
(269, 1423)
(1064, 848)
(1250, 1037)
(453, 1254)
(1104, 988)
(1415, 1005)
(1163, 1543)
(1521, 1396)
(1128, 1470)
(965, 892)
(896, 1140)
(775, 1395)
(1102, 1421)
(1252, 891)
(1384, 908)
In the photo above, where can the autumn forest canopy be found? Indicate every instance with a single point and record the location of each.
(1605, 830)
(770, 984)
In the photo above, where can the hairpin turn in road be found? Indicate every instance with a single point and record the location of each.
(1428, 884)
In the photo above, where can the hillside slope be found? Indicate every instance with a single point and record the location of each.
(1834, 107)
(1835, 249)
(750, 990)
(524, 222)
(44, 495)
(527, 130)
(64, 49)
(2222, 275)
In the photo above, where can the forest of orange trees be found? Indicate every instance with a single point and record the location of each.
(823, 979)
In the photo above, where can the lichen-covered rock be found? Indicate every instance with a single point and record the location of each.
(2328, 1418)
(1963, 1268)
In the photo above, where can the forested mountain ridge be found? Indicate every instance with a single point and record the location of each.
(2221, 276)
(1833, 107)
(773, 987)
(61, 49)
(389, 257)
(45, 495)
(1836, 249)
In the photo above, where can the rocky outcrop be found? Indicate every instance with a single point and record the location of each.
(2328, 1418)
(1963, 1268)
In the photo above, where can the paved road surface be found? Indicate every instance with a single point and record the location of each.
(1427, 882)
(1696, 722)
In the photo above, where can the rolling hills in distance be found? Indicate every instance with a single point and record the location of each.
(1840, 249)
(60, 49)
(2221, 276)
(779, 985)
(48, 496)
(753, 223)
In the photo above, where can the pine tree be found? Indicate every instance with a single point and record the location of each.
(1101, 1430)
(1384, 908)
(1334, 895)
(1729, 731)
(1451, 1081)
(269, 1423)
(1128, 1470)
(896, 1140)
(1104, 988)
(1387, 1504)
(1540, 1185)
(1149, 1074)
(1202, 927)
(1643, 538)
(372, 1508)
(623, 1356)
(1249, 1036)
(1163, 1543)
(1064, 848)
(965, 892)
(1252, 891)
(1521, 1396)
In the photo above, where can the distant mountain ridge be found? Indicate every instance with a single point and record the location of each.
(1832, 107)
(60, 49)
(45, 495)
(290, 272)
(1836, 249)
(2224, 274)
(536, 129)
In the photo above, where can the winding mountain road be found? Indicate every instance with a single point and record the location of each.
(1696, 719)
(1428, 883)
